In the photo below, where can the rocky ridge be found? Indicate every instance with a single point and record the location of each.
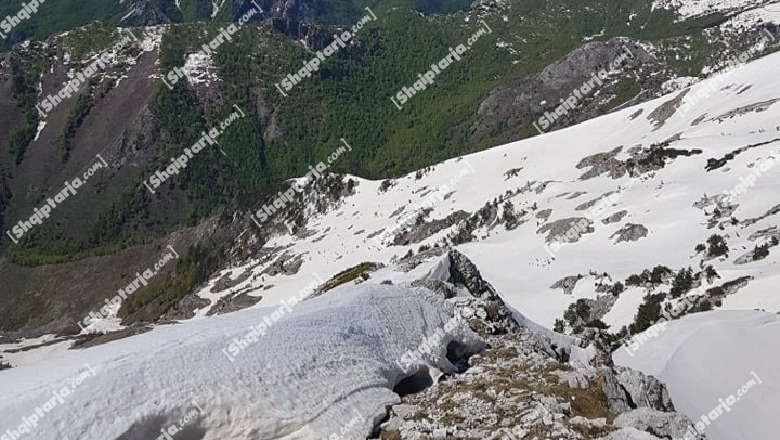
(530, 383)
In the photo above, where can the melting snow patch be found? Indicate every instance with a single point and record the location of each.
(216, 7)
(41, 124)
(688, 8)
(197, 68)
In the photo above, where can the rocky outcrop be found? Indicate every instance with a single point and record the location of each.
(616, 217)
(661, 424)
(630, 232)
(643, 390)
(567, 283)
(510, 106)
(185, 308)
(233, 303)
(526, 384)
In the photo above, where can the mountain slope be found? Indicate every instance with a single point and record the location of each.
(674, 198)
(334, 363)
(510, 78)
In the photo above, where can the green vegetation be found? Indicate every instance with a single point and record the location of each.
(348, 97)
(93, 38)
(718, 246)
(56, 16)
(78, 112)
(346, 11)
(761, 252)
(27, 67)
(711, 274)
(682, 283)
(61, 15)
(728, 287)
(577, 314)
(617, 289)
(360, 271)
(648, 314)
(162, 294)
(192, 10)
(652, 277)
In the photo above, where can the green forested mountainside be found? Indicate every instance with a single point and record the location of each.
(56, 16)
(27, 69)
(281, 136)
(348, 97)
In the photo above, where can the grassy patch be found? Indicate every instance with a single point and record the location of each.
(361, 270)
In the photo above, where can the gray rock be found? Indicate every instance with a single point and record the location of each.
(643, 390)
(630, 434)
(232, 303)
(439, 287)
(616, 217)
(566, 230)
(664, 424)
(567, 283)
(618, 400)
(630, 232)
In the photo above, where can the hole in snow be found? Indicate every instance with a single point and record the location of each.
(458, 355)
(415, 383)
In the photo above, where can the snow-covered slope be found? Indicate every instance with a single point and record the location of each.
(686, 185)
(706, 357)
(548, 179)
(665, 180)
(323, 364)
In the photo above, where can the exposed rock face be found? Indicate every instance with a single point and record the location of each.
(233, 303)
(496, 396)
(591, 203)
(600, 306)
(601, 163)
(662, 424)
(494, 315)
(511, 106)
(523, 386)
(665, 111)
(440, 287)
(641, 161)
(501, 394)
(147, 13)
(566, 230)
(544, 214)
(185, 308)
(463, 271)
(286, 263)
(617, 397)
(630, 232)
(616, 217)
(567, 283)
(643, 390)
(291, 17)
(418, 232)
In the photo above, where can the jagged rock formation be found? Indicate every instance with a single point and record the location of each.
(523, 385)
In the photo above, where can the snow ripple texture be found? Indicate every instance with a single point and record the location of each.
(318, 368)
